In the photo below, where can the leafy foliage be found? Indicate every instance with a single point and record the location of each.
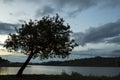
(48, 37)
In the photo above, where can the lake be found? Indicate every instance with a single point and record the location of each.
(96, 71)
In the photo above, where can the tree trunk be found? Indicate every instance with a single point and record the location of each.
(24, 65)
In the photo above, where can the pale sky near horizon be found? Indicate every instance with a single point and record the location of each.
(95, 23)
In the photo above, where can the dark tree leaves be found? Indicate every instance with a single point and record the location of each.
(48, 37)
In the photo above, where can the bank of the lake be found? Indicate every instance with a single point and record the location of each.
(64, 76)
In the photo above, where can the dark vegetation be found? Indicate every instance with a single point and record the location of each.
(93, 62)
(3, 62)
(6, 63)
(63, 76)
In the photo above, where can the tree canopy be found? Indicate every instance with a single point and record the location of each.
(46, 38)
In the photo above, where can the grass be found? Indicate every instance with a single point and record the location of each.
(63, 76)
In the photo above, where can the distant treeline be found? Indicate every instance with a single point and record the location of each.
(3, 62)
(93, 62)
(6, 63)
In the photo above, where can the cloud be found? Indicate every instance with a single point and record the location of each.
(6, 28)
(21, 21)
(78, 37)
(75, 5)
(7, 1)
(1, 44)
(115, 40)
(84, 4)
(12, 1)
(111, 3)
(55, 6)
(70, 7)
(45, 11)
(108, 33)
(33, 1)
(116, 51)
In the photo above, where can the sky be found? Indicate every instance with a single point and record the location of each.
(95, 23)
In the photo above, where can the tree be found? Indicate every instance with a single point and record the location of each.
(46, 38)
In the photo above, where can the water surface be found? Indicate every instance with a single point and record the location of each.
(96, 71)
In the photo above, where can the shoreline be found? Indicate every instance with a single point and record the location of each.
(63, 76)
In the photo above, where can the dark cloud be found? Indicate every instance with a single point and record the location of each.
(72, 7)
(111, 3)
(10, 14)
(6, 28)
(21, 21)
(116, 51)
(85, 4)
(27, 1)
(75, 5)
(7, 1)
(45, 11)
(115, 39)
(33, 1)
(78, 37)
(109, 33)
(60, 5)
(79, 3)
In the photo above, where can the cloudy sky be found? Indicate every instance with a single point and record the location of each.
(95, 23)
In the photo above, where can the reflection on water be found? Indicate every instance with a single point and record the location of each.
(97, 71)
(3, 70)
(8, 70)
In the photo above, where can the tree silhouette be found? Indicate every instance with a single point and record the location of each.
(46, 38)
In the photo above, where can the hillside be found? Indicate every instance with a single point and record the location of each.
(97, 62)
(3, 61)
(91, 62)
